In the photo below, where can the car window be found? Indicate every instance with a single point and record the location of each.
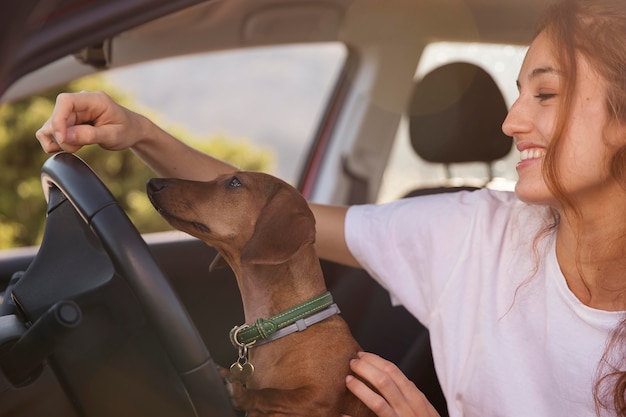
(407, 171)
(258, 108)
(273, 97)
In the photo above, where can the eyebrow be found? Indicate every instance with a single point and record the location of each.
(539, 71)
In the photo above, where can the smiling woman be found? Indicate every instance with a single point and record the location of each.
(583, 164)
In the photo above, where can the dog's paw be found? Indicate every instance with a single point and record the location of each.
(235, 389)
(237, 394)
(224, 373)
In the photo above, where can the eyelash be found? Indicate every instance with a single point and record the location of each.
(544, 97)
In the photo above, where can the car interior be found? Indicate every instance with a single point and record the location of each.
(99, 320)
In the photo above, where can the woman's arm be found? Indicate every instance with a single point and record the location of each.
(330, 241)
(86, 118)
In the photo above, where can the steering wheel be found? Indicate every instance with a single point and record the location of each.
(133, 260)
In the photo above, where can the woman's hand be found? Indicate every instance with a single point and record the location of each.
(85, 118)
(395, 395)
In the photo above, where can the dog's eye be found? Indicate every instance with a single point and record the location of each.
(235, 183)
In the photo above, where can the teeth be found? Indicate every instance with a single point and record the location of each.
(532, 153)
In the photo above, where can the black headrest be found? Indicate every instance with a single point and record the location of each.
(456, 115)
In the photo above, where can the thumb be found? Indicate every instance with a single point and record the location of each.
(68, 142)
(80, 135)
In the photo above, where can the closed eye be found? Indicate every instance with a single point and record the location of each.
(235, 183)
(545, 97)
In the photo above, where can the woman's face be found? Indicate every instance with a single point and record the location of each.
(582, 163)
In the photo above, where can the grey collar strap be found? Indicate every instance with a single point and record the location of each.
(297, 326)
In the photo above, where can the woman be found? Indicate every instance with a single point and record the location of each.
(524, 293)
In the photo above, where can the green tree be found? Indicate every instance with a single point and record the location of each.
(22, 204)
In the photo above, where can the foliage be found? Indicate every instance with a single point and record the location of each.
(22, 204)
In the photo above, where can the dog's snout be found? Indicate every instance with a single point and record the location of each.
(155, 185)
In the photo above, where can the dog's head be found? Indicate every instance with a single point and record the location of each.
(255, 216)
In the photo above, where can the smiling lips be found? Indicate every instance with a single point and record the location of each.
(528, 155)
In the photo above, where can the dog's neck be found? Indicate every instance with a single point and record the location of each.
(267, 290)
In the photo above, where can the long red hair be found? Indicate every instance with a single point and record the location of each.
(595, 29)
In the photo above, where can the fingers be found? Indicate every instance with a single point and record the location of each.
(370, 398)
(80, 119)
(53, 142)
(56, 134)
(394, 395)
(46, 138)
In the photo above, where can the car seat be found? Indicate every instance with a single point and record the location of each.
(455, 116)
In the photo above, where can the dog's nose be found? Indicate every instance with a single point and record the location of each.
(155, 185)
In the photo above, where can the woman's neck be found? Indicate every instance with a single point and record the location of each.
(592, 257)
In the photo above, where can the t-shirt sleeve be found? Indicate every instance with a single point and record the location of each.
(413, 246)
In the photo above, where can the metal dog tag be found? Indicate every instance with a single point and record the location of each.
(241, 372)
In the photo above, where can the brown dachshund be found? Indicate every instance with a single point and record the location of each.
(294, 352)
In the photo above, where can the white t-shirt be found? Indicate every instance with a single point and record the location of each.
(508, 336)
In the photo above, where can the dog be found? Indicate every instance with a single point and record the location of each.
(263, 229)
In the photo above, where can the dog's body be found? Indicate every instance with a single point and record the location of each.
(264, 229)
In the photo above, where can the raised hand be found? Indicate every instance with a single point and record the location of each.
(86, 118)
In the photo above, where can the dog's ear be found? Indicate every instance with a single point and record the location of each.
(283, 227)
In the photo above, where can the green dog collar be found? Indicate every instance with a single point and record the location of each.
(264, 330)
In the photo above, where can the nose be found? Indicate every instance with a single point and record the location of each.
(516, 121)
(155, 185)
